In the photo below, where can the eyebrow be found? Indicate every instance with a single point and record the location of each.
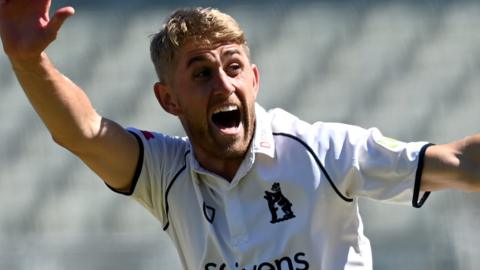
(202, 57)
(197, 58)
(231, 52)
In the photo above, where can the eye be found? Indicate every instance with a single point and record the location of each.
(234, 69)
(202, 74)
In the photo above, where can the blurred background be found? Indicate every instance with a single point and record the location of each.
(409, 68)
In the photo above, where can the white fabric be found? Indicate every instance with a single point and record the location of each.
(219, 225)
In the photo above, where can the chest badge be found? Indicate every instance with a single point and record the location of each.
(208, 212)
(280, 207)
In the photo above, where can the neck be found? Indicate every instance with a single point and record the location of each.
(224, 167)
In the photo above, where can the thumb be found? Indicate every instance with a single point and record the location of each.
(59, 18)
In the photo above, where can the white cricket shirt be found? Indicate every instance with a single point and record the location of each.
(291, 205)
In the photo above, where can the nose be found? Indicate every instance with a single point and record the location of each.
(223, 84)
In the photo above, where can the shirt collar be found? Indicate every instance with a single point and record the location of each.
(263, 138)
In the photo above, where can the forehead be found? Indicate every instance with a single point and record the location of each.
(193, 50)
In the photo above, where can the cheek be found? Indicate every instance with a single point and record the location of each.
(187, 93)
(242, 81)
(193, 103)
(249, 79)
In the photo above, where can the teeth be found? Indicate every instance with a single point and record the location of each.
(227, 108)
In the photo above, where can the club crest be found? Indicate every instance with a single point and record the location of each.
(280, 207)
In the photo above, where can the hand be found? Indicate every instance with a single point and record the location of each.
(455, 165)
(26, 28)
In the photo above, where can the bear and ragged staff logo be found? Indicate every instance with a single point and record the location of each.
(280, 207)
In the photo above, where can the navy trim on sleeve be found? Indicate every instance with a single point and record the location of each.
(418, 178)
(138, 169)
(167, 206)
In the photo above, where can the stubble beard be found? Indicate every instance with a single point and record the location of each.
(231, 148)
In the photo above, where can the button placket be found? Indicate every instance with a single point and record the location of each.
(236, 219)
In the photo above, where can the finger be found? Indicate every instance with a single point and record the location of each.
(59, 18)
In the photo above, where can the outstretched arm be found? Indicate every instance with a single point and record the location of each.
(26, 30)
(454, 165)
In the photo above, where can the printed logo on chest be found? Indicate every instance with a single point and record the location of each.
(280, 207)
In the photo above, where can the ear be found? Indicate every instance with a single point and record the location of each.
(166, 99)
(256, 79)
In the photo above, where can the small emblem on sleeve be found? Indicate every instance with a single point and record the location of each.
(390, 143)
(147, 134)
(277, 202)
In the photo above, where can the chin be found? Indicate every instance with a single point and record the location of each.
(232, 151)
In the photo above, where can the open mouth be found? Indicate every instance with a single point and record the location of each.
(226, 117)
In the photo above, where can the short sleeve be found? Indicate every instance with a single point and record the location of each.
(160, 155)
(368, 164)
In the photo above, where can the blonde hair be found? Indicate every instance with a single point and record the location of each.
(203, 26)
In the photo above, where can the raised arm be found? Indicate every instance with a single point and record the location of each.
(26, 30)
(454, 165)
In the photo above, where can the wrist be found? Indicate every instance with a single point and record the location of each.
(37, 63)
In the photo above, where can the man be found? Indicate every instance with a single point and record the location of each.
(248, 189)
